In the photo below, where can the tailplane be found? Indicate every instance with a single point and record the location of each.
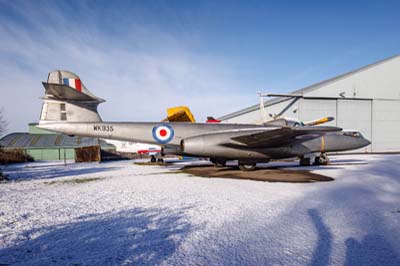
(67, 99)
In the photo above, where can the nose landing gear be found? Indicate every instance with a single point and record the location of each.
(322, 159)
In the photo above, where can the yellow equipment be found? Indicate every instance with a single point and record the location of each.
(319, 121)
(179, 114)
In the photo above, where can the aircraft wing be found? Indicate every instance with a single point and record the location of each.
(279, 136)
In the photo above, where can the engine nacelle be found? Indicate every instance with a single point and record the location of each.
(214, 146)
(200, 146)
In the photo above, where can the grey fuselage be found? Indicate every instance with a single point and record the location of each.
(200, 140)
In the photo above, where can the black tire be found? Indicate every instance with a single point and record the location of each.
(322, 159)
(160, 160)
(247, 167)
(153, 159)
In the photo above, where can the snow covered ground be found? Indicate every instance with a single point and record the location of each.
(123, 214)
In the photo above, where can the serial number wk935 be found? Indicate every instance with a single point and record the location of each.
(103, 128)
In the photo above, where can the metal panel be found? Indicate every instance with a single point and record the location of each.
(355, 115)
(312, 109)
(386, 125)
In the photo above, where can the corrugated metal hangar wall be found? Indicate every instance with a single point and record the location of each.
(366, 99)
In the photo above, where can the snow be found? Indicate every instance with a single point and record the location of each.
(128, 214)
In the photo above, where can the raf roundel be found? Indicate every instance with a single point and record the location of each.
(163, 133)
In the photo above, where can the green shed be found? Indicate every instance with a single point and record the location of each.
(43, 145)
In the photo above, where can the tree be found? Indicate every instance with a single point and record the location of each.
(3, 129)
(3, 123)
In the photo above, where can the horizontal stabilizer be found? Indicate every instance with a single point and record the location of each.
(65, 92)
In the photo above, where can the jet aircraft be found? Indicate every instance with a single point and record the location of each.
(70, 108)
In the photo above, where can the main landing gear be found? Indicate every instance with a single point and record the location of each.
(218, 162)
(153, 159)
(247, 166)
(244, 166)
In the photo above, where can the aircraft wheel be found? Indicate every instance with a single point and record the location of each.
(153, 159)
(160, 160)
(322, 159)
(305, 161)
(247, 167)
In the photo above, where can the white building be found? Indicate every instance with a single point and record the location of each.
(366, 99)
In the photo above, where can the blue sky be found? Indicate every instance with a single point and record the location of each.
(145, 56)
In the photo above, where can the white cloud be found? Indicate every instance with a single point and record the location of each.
(139, 70)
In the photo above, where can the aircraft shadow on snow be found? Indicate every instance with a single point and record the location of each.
(49, 172)
(134, 237)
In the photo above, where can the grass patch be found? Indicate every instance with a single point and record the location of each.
(74, 181)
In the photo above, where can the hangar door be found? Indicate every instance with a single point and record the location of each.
(386, 126)
(355, 114)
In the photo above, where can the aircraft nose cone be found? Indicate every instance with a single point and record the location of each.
(364, 142)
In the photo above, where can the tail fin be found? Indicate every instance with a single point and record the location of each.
(66, 99)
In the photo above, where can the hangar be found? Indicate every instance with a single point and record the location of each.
(366, 99)
(43, 145)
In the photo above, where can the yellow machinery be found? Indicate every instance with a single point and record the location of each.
(179, 114)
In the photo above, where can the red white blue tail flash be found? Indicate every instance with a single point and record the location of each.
(163, 133)
(74, 83)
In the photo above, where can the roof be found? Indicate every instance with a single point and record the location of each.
(308, 88)
(26, 140)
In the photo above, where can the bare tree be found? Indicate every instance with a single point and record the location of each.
(3, 122)
(3, 129)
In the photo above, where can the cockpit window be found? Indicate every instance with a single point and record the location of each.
(354, 134)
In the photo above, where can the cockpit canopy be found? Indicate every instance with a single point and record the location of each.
(353, 133)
